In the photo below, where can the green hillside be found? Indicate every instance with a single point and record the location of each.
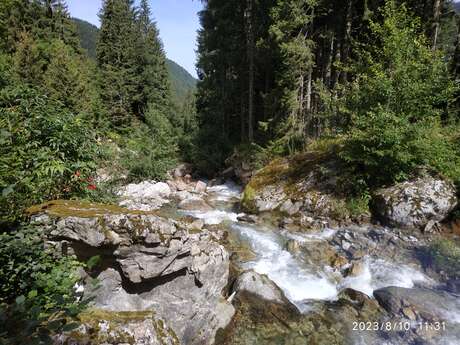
(88, 36)
(182, 82)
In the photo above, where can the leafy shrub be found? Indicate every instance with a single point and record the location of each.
(394, 107)
(46, 152)
(36, 290)
(149, 150)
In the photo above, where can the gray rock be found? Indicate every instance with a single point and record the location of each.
(111, 328)
(144, 196)
(293, 246)
(414, 203)
(182, 170)
(261, 286)
(290, 208)
(151, 265)
(428, 304)
(86, 230)
(194, 203)
(200, 187)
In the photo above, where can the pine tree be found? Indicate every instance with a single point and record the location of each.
(154, 86)
(117, 61)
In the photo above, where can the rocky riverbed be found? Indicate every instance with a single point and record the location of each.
(181, 263)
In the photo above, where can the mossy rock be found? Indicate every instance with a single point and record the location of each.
(81, 209)
(312, 178)
(101, 327)
(258, 322)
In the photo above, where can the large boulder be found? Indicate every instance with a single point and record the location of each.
(114, 328)
(418, 303)
(261, 286)
(145, 196)
(305, 186)
(194, 203)
(413, 204)
(147, 264)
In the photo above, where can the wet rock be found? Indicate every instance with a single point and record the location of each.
(356, 269)
(200, 187)
(194, 203)
(414, 203)
(339, 261)
(248, 218)
(432, 226)
(428, 304)
(144, 196)
(293, 246)
(260, 322)
(322, 253)
(409, 313)
(261, 286)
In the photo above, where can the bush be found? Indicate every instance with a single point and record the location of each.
(395, 105)
(46, 152)
(36, 291)
(149, 150)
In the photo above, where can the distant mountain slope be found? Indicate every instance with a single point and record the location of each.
(182, 82)
(88, 36)
(457, 6)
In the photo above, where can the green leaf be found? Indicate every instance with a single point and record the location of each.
(70, 327)
(20, 300)
(32, 294)
(8, 190)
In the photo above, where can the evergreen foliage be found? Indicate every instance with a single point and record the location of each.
(88, 35)
(394, 107)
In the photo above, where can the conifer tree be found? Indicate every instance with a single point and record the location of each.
(154, 87)
(117, 61)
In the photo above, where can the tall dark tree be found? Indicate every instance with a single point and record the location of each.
(154, 87)
(117, 61)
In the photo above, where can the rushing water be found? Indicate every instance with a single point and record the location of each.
(305, 281)
(302, 281)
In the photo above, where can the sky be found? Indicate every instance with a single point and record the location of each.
(177, 21)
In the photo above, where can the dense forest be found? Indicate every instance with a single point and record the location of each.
(373, 82)
(319, 69)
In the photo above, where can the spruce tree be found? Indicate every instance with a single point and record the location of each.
(154, 86)
(117, 61)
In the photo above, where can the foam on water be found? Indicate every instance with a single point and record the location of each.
(378, 273)
(225, 192)
(298, 282)
(310, 237)
(213, 217)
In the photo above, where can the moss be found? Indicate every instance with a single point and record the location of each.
(96, 315)
(258, 321)
(82, 209)
(445, 256)
(112, 333)
(247, 201)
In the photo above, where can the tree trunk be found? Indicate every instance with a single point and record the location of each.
(250, 53)
(455, 64)
(347, 39)
(436, 22)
